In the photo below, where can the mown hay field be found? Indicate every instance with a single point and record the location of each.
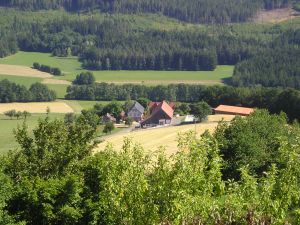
(37, 107)
(154, 138)
(25, 71)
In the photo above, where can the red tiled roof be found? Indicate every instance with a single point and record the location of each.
(234, 110)
(164, 106)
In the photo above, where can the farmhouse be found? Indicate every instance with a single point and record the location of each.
(136, 112)
(233, 110)
(161, 114)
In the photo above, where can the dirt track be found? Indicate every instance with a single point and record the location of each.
(22, 71)
(53, 81)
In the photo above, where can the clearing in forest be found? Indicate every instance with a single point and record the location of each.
(37, 107)
(153, 138)
(276, 15)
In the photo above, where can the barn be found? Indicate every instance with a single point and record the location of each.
(161, 114)
(233, 110)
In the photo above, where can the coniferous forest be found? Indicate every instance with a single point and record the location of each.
(197, 11)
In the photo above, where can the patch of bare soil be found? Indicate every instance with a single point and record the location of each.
(22, 71)
(276, 15)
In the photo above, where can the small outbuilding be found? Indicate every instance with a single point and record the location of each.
(108, 118)
(233, 110)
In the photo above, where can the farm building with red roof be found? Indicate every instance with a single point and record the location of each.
(161, 114)
(233, 110)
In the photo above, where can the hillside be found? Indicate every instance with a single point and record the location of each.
(203, 11)
(143, 42)
(76, 76)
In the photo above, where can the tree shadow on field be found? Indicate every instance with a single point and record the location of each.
(227, 81)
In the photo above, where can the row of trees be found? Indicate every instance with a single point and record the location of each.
(273, 99)
(12, 92)
(188, 59)
(17, 114)
(53, 178)
(47, 69)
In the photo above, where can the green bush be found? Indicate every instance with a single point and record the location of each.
(36, 66)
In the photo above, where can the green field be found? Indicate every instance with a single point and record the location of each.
(7, 126)
(26, 81)
(71, 67)
(60, 89)
(222, 72)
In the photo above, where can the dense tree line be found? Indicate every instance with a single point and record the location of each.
(163, 59)
(53, 177)
(273, 99)
(274, 67)
(11, 92)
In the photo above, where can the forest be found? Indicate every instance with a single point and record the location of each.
(274, 67)
(133, 47)
(90, 35)
(99, 48)
(197, 11)
(229, 177)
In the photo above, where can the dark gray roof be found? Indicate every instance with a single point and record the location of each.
(138, 106)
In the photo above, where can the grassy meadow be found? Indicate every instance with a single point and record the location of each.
(71, 67)
(60, 89)
(26, 81)
(7, 127)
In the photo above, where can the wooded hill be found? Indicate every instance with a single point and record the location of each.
(198, 11)
(161, 45)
